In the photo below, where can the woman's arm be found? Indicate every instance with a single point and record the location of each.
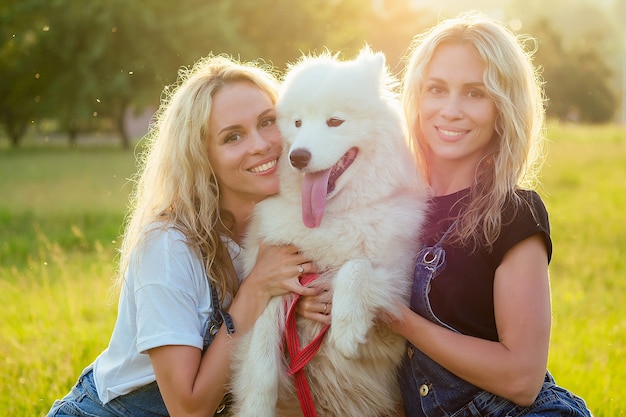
(192, 384)
(515, 366)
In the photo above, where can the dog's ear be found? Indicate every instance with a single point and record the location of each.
(375, 59)
(374, 67)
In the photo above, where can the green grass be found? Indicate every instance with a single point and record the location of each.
(60, 216)
(54, 191)
(585, 190)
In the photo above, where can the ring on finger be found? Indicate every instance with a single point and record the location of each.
(300, 269)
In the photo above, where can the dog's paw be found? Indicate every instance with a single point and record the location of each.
(347, 334)
(351, 315)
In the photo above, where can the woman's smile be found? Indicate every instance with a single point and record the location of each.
(265, 167)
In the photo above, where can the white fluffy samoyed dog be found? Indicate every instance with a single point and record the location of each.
(350, 200)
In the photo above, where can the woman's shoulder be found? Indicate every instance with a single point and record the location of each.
(164, 241)
(528, 195)
(164, 255)
(161, 233)
(530, 204)
(523, 217)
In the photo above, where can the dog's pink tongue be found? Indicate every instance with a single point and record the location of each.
(314, 190)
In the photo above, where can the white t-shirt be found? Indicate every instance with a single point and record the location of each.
(165, 300)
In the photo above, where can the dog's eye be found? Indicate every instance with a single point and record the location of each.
(334, 122)
(298, 122)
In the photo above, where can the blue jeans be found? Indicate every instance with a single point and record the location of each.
(429, 390)
(83, 401)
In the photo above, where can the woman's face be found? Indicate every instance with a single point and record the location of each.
(457, 116)
(244, 144)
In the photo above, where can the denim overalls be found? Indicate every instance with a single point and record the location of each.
(430, 390)
(143, 402)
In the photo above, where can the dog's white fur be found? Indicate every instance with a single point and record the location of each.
(366, 242)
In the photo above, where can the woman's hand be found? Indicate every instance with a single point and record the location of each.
(278, 268)
(276, 273)
(317, 307)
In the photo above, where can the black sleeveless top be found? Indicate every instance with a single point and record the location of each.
(462, 295)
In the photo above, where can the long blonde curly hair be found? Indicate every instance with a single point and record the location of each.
(514, 157)
(175, 183)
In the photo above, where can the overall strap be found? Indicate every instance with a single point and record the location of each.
(434, 257)
(217, 318)
(430, 262)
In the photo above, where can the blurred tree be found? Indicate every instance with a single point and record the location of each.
(281, 30)
(592, 91)
(577, 81)
(577, 41)
(19, 83)
(97, 59)
(108, 55)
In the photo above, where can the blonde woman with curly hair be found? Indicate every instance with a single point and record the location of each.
(479, 322)
(211, 156)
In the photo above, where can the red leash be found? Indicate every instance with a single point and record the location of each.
(300, 357)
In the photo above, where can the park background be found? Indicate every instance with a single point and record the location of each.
(79, 81)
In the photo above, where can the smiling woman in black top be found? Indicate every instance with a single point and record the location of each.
(479, 321)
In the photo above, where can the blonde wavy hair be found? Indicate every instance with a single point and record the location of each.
(515, 155)
(175, 183)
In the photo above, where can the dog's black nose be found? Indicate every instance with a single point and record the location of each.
(299, 158)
